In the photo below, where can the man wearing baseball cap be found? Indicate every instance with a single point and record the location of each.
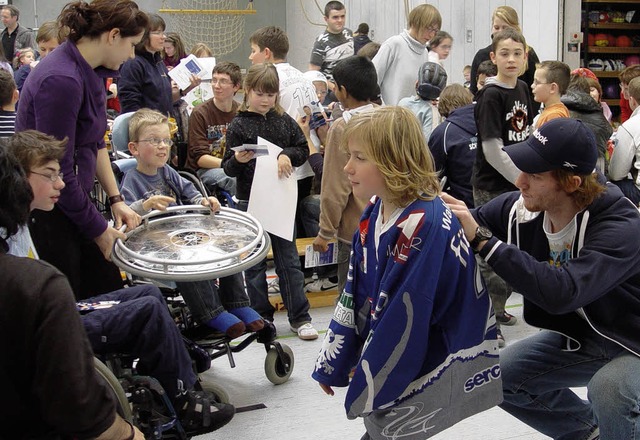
(568, 243)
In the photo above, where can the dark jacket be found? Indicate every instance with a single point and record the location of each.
(359, 42)
(453, 145)
(144, 82)
(582, 106)
(602, 276)
(245, 128)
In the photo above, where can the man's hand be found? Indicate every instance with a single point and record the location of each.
(463, 214)
(106, 240)
(157, 202)
(122, 213)
(320, 244)
(285, 169)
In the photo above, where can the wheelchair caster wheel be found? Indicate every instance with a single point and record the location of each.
(215, 389)
(279, 368)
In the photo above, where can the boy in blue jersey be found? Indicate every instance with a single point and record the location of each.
(414, 319)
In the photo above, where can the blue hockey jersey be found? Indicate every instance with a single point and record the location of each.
(415, 320)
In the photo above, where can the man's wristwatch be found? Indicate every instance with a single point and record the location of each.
(482, 234)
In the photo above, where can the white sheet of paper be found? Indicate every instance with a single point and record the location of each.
(188, 66)
(273, 200)
(207, 63)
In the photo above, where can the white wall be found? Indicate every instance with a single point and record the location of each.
(539, 21)
(303, 21)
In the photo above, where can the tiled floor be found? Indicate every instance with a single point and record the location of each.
(299, 410)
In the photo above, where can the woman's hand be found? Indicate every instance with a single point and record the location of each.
(123, 214)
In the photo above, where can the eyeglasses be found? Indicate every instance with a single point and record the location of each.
(536, 83)
(52, 177)
(156, 142)
(434, 30)
(221, 81)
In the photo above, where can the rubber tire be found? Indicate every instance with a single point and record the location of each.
(273, 367)
(124, 407)
(220, 393)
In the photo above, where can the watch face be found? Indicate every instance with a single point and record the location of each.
(483, 233)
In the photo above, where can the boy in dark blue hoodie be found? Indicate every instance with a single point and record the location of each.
(453, 143)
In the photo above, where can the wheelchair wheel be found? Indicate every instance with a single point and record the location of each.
(220, 393)
(124, 408)
(278, 370)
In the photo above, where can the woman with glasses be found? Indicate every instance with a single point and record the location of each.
(400, 57)
(65, 98)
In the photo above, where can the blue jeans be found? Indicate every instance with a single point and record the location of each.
(629, 189)
(310, 215)
(538, 371)
(214, 178)
(142, 326)
(291, 278)
(499, 290)
(206, 300)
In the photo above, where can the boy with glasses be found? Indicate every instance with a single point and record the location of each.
(208, 125)
(155, 185)
(550, 82)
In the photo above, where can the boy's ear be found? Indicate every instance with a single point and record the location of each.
(268, 55)
(493, 57)
(133, 148)
(15, 96)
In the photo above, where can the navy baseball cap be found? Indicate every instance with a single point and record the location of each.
(561, 143)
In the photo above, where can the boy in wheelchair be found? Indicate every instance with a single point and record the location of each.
(155, 185)
(138, 322)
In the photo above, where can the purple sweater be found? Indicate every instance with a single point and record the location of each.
(65, 97)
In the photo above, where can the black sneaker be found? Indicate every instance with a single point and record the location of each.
(506, 319)
(199, 412)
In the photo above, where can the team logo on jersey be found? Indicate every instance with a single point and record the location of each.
(364, 227)
(519, 122)
(331, 348)
(408, 238)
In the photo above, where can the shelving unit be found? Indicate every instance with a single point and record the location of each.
(590, 52)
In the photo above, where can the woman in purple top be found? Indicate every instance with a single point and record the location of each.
(65, 97)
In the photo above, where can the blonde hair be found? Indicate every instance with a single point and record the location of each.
(393, 139)
(262, 78)
(17, 61)
(424, 16)
(144, 118)
(452, 97)
(201, 50)
(508, 15)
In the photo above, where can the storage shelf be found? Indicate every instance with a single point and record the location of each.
(608, 74)
(621, 26)
(607, 49)
(607, 1)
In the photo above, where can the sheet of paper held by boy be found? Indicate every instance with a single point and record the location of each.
(273, 200)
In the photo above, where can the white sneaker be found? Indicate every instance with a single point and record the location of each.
(273, 286)
(306, 332)
(320, 285)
